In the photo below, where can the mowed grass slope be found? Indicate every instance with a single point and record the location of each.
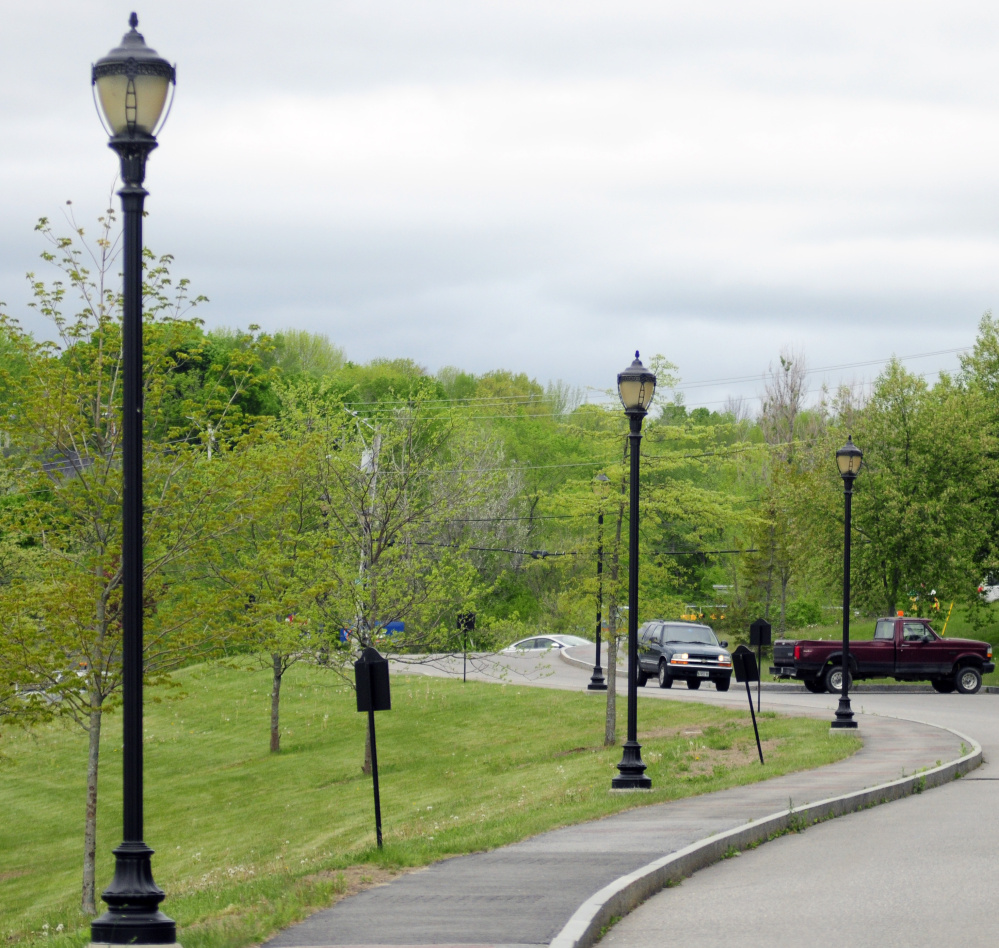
(247, 841)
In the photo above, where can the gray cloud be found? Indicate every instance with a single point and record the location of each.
(544, 186)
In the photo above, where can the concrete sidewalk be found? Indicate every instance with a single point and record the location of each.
(561, 887)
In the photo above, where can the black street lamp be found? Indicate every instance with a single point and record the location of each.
(132, 84)
(848, 459)
(636, 385)
(597, 682)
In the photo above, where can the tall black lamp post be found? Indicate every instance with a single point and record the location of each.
(597, 682)
(132, 84)
(636, 385)
(848, 460)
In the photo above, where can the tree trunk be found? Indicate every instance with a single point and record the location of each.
(770, 576)
(785, 578)
(610, 725)
(276, 703)
(88, 901)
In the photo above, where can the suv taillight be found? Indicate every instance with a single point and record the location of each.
(797, 652)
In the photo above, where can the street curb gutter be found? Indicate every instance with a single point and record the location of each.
(627, 893)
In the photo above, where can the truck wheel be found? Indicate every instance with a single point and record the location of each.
(722, 684)
(834, 680)
(944, 685)
(815, 685)
(642, 678)
(665, 681)
(693, 683)
(968, 680)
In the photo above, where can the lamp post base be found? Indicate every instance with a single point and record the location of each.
(632, 770)
(844, 716)
(597, 681)
(133, 916)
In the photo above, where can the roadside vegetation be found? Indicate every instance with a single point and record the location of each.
(248, 841)
(299, 505)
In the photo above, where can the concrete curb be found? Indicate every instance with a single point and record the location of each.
(625, 894)
(575, 662)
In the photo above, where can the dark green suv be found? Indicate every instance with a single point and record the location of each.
(669, 650)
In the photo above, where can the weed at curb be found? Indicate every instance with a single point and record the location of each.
(614, 919)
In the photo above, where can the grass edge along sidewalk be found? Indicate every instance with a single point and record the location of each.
(250, 842)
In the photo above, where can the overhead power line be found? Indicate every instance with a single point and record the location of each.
(533, 554)
(701, 552)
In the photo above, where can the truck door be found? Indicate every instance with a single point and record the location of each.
(921, 652)
(877, 658)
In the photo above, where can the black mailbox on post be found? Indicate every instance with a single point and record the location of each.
(466, 621)
(744, 665)
(371, 675)
(759, 632)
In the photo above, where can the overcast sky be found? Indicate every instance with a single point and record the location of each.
(544, 186)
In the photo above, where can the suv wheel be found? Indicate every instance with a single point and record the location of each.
(968, 680)
(665, 680)
(642, 678)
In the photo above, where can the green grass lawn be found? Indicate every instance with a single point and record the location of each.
(249, 841)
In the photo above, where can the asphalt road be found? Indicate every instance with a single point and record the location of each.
(919, 872)
(923, 871)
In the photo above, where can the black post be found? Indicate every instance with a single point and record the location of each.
(759, 664)
(632, 767)
(756, 730)
(374, 776)
(844, 713)
(371, 680)
(466, 625)
(597, 682)
(133, 898)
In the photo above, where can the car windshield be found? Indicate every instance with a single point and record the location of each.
(692, 634)
(574, 640)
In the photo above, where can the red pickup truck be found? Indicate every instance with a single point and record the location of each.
(904, 649)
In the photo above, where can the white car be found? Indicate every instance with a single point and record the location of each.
(989, 591)
(544, 643)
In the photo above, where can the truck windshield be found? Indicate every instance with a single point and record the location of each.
(692, 634)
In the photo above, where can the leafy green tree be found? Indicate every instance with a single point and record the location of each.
(297, 352)
(62, 617)
(918, 509)
(271, 568)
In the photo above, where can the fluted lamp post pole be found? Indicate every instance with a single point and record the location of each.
(597, 681)
(848, 460)
(636, 385)
(132, 84)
